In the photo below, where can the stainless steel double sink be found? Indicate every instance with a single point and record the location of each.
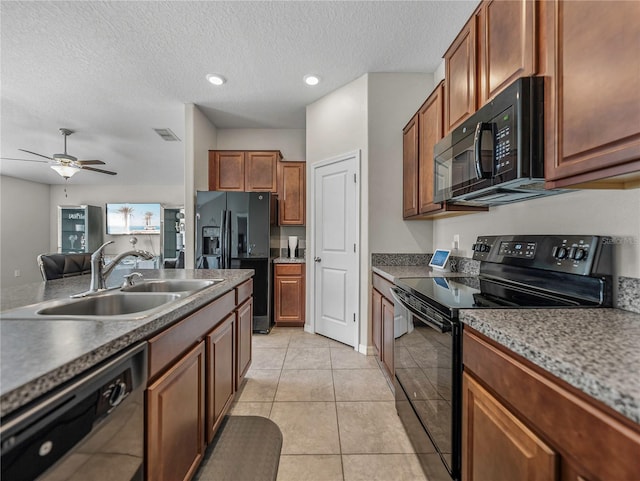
(131, 302)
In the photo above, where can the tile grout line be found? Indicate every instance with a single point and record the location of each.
(335, 406)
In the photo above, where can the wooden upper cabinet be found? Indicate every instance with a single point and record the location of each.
(226, 170)
(592, 115)
(261, 171)
(243, 171)
(460, 76)
(506, 45)
(489, 428)
(410, 168)
(430, 127)
(291, 193)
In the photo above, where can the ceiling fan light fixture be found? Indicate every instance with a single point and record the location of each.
(65, 171)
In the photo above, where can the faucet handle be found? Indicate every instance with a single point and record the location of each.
(128, 279)
(97, 254)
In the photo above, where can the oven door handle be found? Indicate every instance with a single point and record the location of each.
(433, 323)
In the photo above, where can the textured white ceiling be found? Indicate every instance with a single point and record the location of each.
(112, 71)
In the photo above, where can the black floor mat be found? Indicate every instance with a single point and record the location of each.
(245, 448)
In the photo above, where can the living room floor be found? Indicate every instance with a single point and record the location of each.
(334, 407)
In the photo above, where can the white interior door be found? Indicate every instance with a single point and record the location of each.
(335, 250)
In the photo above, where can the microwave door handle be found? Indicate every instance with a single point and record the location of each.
(477, 148)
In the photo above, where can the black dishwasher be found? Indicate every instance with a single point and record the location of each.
(92, 428)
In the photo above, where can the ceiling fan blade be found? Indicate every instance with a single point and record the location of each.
(90, 162)
(98, 170)
(27, 160)
(34, 153)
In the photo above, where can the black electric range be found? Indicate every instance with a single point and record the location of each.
(518, 272)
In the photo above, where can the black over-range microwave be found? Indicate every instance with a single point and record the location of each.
(496, 156)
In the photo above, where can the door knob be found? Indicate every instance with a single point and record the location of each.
(317, 259)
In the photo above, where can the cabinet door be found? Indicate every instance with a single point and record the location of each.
(387, 337)
(376, 321)
(292, 193)
(227, 170)
(220, 373)
(506, 45)
(496, 445)
(430, 131)
(175, 419)
(261, 171)
(410, 168)
(244, 330)
(593, 97)
(289, 294)
(460, 77)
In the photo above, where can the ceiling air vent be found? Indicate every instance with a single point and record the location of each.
(167, 135)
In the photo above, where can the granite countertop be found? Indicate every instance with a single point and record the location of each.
(289, 260)
(38, 355)
(594, 350)
(395, 272)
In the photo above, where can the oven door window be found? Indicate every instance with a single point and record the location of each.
(425, 370)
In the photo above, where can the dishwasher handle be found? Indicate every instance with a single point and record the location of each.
(431, 321)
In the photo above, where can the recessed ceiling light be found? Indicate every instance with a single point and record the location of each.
(216, 79)
(311, 79)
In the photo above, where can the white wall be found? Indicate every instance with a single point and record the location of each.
(291, 142)
(393, 99)
(200, 137)
(337, 124)
(24, 229)
(170, 195)
(597, 212)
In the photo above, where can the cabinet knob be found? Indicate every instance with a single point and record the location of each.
(317, 259)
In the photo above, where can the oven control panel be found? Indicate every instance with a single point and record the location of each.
(584, 255)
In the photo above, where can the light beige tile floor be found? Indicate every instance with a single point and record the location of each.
(334, 408)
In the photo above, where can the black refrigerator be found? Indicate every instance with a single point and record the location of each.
(233, 231)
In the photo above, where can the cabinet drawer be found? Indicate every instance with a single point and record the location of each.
(169, 344)
(244, 291)
(289, 269)
(383, 286)
(573, 423)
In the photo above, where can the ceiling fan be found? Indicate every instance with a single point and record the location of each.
(64, 164)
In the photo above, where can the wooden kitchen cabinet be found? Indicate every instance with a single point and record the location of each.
(592, 94)
(382, 324)
(244, 171)
(192, 382)
(220, 350)
(244, 331)
(542, 427)
(490, 428)
(376, 321)
(506, 44)
(421, 134)
(175, 419)
(291, 193)
(289, 294)
(460, 76)
(410, 168)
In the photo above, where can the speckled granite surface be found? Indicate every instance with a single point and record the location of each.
(38, 355)
(594, 350)
(393, 272)
(400, 259)
(629, 294)
(288, 260)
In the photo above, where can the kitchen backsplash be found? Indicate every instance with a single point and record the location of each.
(629, 294)
(628, 287)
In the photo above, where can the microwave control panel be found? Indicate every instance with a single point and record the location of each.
(504, 143)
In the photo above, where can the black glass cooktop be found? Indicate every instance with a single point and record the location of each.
(452, 293)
